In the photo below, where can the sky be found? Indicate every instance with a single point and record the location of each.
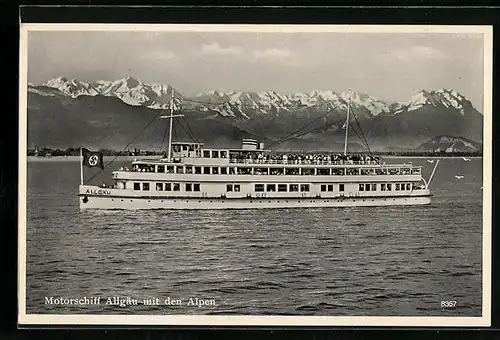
(387, 66)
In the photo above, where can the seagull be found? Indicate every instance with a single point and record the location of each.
(466, 159)
(430, 160)
(459, 177)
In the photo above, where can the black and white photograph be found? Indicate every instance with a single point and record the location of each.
(261, 175)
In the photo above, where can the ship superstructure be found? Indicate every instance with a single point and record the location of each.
(190, 176)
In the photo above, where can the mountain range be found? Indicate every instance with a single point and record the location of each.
(112, 112)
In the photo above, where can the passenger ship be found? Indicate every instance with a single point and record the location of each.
(190, 176)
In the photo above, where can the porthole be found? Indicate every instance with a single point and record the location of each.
(149, 200)
(260, 201)
(199, 201)
(130, 200)
(112, 200)
(122, 200)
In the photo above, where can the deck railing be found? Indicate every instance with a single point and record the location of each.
(300, 162)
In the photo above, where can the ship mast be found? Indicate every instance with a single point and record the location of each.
(171, 117)
(347, 122)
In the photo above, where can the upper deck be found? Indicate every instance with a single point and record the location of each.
(253, 153)
(253, 159)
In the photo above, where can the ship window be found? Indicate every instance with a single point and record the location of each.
(408, 186)
(137, 186)
(179, 169)
(389, 187)
(281, 187)
(145, 186)
(259, 187)
(237, 187)
(159, 186)
(189, 187)
(177, 187)
(206, 153)
(230, 171)
(341, 187)
(294, 188)
(361, 187)
(223, 154)
(304, 187)
(262, 171)
(367, 187)
(307, 171)
(271, 187)
(170, 168)
(397, 187)
(196, 187)
(197, 169)
(374, 186)
(215, 154)
(229, 187)
(161, 168)
(168, 186)
(206, 170)
(292, 171)
(244, 171)
(330, 187)
(323, 172)
(323, 187)
(338, 172)
(223, 171)
(382, 187)
(189, 169)
(215, 170)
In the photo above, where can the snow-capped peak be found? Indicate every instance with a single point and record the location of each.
(130, 90)
(437, 98)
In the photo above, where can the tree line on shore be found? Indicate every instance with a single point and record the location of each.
(48, 152)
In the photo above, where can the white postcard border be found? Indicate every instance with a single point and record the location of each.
(250, 320)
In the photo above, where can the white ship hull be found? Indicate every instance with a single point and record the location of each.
(107, 202)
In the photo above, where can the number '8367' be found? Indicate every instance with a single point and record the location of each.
(448, 304)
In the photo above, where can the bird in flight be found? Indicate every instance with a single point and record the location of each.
(466, 159)
(430, 160)
(459, 177)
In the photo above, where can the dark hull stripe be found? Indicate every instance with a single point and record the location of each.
(249, 198)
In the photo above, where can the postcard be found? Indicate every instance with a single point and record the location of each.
(255, 175)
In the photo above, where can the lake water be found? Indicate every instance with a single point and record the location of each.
(400, 261)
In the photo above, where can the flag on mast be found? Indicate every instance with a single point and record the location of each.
(92, 158)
